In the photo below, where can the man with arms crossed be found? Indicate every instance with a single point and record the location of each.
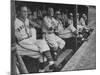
(49, 26)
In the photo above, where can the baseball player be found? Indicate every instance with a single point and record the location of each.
(70, 22)
(83, 20)
(82, 29)
(27, 43)
(64, 32)
(79, 26)
(49, 26)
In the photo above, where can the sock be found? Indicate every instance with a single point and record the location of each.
(48, 55)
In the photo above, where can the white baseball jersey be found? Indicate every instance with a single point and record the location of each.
(49, 23)
(60, 27)
(82, 22)
(67, 32)
(21, 29)
(82, 25)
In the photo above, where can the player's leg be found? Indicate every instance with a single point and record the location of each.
(60, 42)
(50, 38)
(45, 50)
(29, 44)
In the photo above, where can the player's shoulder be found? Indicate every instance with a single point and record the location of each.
(45, 17)
(81, 18)
(54, 19)
(17, 20)
(27, 19)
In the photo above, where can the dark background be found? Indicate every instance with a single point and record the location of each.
(41, 5)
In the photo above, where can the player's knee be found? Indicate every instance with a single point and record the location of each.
(62, 44)
(44, 48)
(54, 46)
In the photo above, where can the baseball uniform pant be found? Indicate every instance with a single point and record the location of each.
(54, 41)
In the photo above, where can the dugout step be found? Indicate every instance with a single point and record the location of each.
(61, 61)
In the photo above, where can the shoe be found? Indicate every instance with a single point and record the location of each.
(41, 70)
(53, 68)
(55, 55)
(83, 39)
(51, 62)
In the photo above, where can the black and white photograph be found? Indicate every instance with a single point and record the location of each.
(52, 37)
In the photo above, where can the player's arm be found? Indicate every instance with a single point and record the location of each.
(47, 23)
(82, 22)
(34, 24)
(17, 30)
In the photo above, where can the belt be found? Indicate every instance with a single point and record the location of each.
(28, 49)
(47, 32)
(23, 38)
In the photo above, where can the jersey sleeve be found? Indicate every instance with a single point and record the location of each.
(72, 28)
(17, 29)
(47, 23)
